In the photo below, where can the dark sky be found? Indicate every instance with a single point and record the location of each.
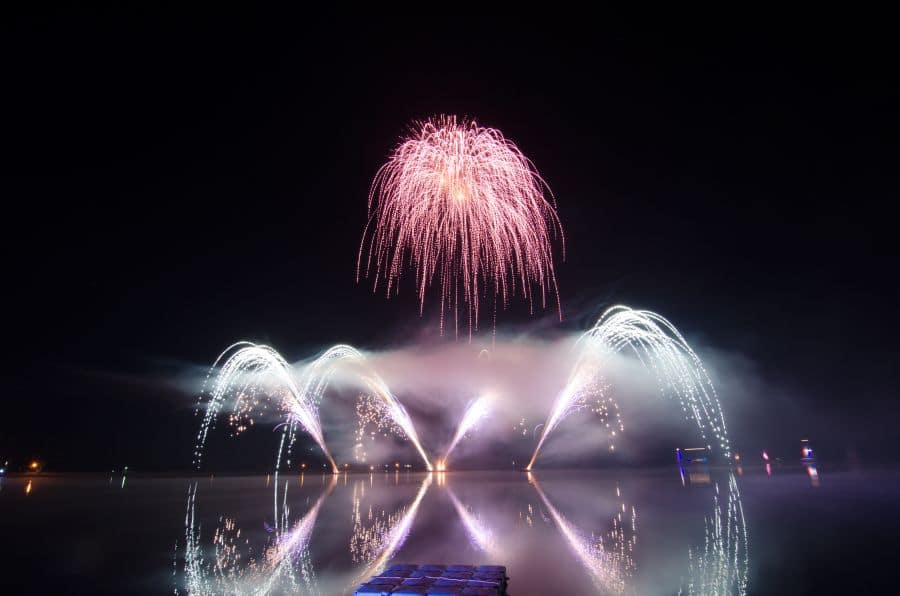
(177, 182)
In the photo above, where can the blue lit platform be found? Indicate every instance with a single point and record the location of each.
(456, 580)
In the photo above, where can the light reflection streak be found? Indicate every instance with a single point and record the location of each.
(608, 558)
(396, 536)
(721, 565)
(285, 564)
(293, 546)
(813, 475)
(480, 535)
(231, 571)
(475, 412)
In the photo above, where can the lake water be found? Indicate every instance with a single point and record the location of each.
(558, 532)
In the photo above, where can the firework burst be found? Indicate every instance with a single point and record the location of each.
(463, 207)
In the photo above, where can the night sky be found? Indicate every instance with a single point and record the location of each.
(178, 182)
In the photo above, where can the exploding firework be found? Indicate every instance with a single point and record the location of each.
(461, 205)
(474, 413)
(659, 346)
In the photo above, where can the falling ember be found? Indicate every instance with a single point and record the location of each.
(460, 204)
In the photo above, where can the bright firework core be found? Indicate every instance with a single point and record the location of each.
(460, 204)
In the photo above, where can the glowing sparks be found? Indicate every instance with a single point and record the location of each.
(658, 345)
(475, 412)
(461, 205)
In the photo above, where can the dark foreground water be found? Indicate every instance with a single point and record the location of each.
(584, 532)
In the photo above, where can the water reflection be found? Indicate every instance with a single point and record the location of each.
(394, 535)
(234, 568)
(308, 544)
(813, 474)
(608, 556)
(721, 565)
(285, 563)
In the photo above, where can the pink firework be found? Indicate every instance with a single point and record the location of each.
(460, 204)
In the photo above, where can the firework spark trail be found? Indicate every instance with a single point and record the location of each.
(475, 412)
(658, 345)
(241, 375)
(609, 565)
(320, 373)
(722, 565)
(461, 204)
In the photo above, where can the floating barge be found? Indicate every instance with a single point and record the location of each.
(455, 580)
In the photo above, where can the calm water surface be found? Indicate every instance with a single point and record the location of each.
(572, 532)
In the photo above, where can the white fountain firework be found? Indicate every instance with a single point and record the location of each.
(475, 413)
(252, 373)
(384, 404)
(244, 375)
(658, 345)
